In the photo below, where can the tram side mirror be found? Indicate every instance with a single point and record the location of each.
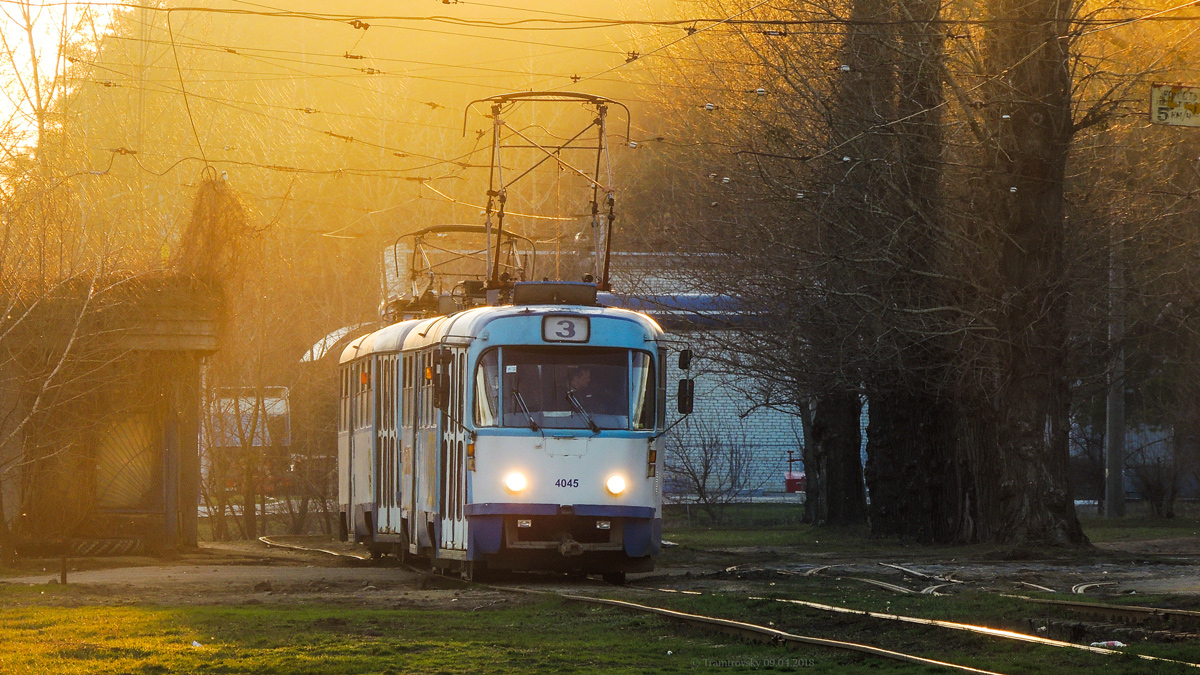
(687, 392)
(685, 359)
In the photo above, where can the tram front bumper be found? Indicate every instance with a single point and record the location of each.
(571, 530)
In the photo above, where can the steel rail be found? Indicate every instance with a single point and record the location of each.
(297, 547)
(771, 635)
(1126, 611)
(774, 636)
(981, 630)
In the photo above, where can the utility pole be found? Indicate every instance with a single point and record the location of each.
(1114, 434)
(143, 75)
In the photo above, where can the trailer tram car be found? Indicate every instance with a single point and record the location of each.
(522, 436)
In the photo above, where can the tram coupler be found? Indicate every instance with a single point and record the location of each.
(569, 547)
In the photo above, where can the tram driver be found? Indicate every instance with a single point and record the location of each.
(579, 383)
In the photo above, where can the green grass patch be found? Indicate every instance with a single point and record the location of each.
(550, 636)
(772, 525)
(754, 525)
(1139, 528)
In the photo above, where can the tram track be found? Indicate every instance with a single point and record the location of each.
(743, 629)
(771, 635)
(1136, 613)
(971, 628)
(269, 541)
(778, 637)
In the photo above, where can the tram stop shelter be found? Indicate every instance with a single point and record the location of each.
(99, 405)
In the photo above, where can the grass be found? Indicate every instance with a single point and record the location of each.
(546, 636)
(749, 525)
(55, 629)
(549, 636)
(768, 525)
(1141, 525)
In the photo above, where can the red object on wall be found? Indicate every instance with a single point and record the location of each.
(795, 481)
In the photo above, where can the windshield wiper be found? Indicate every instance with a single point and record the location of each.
(524, 408)
(579, 406)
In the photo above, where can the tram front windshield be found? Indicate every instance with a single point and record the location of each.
(565, 388)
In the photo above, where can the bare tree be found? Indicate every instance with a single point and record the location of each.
(712, 464)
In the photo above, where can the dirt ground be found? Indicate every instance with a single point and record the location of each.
(248, 573)
(251, 573)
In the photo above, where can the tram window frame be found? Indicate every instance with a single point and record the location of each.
(655, 390)
(479, 397)
(645, 419)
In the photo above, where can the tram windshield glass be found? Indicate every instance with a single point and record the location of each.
(565, 388)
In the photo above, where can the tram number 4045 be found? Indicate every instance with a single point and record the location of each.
(567, 482)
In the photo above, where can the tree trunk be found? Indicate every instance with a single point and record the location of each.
(1027, 57)
(837, 466)
(808, 455)
(6, 547)
(915, 473)
(249, 499)
(300, 517)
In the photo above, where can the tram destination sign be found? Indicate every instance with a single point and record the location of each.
(560, 328)
(1175, 104)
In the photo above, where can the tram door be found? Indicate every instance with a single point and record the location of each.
(387, 465)
(410, 387)
(425, 453)
(451, 455)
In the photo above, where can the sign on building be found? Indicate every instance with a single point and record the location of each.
(1175, 104)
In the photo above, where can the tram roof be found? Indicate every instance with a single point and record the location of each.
(468, 324)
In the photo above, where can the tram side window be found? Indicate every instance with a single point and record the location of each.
(645, 386)
(362, 384)
(424, 389)
(385, 401)
(487, 390)
(408, 392)
(354, 377)
(358, 395)
(460, 389)
(392, 364)
(345, 377)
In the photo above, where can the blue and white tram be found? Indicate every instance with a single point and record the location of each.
(522, 436)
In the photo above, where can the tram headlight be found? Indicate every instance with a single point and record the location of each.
(615, 485)
(515, 482)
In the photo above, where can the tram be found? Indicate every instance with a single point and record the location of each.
(521, 436)
(509, 424)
